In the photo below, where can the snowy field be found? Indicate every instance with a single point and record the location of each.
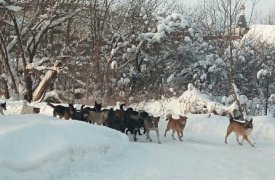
(42, 147)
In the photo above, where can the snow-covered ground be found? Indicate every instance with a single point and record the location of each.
(42, 147)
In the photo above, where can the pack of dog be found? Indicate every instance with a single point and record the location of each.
(3, 106)
(177, 125)
(240, 129)
(132, 121)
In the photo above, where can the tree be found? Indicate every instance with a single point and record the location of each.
(27, 33)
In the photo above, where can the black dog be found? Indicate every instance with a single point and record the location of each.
(77, 114)
(115, 119)
(132, 122)
(61, 111)
(2, 108)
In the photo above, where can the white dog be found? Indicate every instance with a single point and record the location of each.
(27, 109)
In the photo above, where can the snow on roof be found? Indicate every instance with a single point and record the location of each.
(260, 33)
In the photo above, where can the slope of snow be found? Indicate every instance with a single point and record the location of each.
(43, 147)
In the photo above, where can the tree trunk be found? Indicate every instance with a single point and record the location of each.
(45, 82)
(28, 81)
(5, 88)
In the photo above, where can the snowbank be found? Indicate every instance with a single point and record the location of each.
(43, 147)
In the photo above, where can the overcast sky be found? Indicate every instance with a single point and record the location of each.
(263, 7)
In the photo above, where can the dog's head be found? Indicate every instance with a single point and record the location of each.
(154, 121)
(168, 116)
(98, 106)
(3, 106)
(182, 120)
(248, 124)
(36, 110)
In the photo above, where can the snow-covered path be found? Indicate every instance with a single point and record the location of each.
(46, 148)
(200, 156)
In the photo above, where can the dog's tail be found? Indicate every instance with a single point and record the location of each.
(121, 107)
(50, 104)
(168, 116)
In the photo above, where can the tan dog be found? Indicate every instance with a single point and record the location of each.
(151, 123)
(97, 117)
(177, 125)
(240, 129)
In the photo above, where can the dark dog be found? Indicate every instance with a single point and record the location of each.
(151, 123)
(240, 129)
(115, 119)
(3, 107)
(177, 125)
(133, 122)
(77, 114)
(61, 111)
(96, 108)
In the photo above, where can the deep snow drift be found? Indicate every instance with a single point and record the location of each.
(44, 147)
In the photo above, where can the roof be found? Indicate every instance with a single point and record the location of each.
(260, 33)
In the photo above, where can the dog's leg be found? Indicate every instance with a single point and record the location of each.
(237, 139)
(179, 136)
(173, 134)
(229, 130)
(148, 135)
(249, 134)
(165, 132)
(135, 135)
(246, 138)
(157, 131)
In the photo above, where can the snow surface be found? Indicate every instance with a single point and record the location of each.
(260, 33)
(40, 146)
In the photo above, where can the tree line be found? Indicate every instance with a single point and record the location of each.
(133, 50)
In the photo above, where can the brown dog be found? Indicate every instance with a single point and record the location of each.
(177, 125)
(151, 123)
(240, 129)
